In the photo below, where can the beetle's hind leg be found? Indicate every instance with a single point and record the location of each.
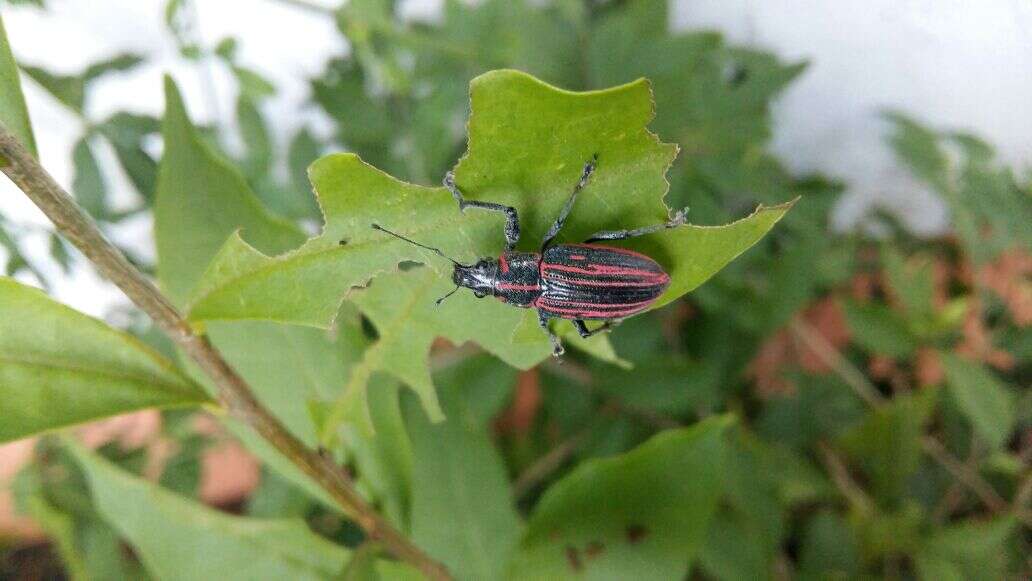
(512, 219)
(557, 346)
(589, 168)
(582, 328)
(679, 220)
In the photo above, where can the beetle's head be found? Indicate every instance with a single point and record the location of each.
(479, 278)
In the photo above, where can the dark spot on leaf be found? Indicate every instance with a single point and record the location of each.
(594, 549)
(343, 242)
(636, 533)
(573, 556)
(735, 74)
(407, 265)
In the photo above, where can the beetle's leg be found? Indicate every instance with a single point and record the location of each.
(582, 328)
(557, 346)
(512, 219)
(589, 168)
(679, 219)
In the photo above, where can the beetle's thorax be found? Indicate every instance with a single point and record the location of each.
(519, 278)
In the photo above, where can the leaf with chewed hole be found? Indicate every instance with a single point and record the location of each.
(528, 143)
(640, 515)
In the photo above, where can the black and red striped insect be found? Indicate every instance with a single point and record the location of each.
(580, 282)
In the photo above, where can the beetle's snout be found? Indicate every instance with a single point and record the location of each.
(457, 275)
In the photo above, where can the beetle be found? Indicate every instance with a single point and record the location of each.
(579, 282)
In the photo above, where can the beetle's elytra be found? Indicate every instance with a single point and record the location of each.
(579, 282)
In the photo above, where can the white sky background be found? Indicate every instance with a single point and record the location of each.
(951, 63)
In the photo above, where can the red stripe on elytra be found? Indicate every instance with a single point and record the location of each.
(593, 314)
(517, 287)
(612, 248)
(504, 263)
(659, 282)
(550, 301)
(602, 269)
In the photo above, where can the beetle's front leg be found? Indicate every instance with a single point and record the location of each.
(585, 332)
(679, 220)
(557, 346)
(589, 168)
(512, 219)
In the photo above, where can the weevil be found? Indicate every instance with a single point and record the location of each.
(580, 282)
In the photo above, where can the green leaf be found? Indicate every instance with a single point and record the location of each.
(528, 143)
(70, 90)
(59, 253)
(201, 201)
(60, 528)
(177, 538)
(987, 403)
(59, 367)
(919, 147)
(13, 113)
(304, 149)
(126, 132)
(888, 442)
(747, 533)
(821, 407)
(971, 540)
(966, 550)
(255, 135)
(290, 369)
(914, 286)
(458, 478)
(640, 515)
(733, 549)
(116, 64)
(830, 549)
(384, 459)
(936, 569)
(879, 329)
(88, 182)
(253, 86)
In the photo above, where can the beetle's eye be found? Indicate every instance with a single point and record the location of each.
(478, 295)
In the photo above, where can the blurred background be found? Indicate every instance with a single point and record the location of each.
(905, 271)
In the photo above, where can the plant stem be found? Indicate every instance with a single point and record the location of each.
(545, 466)
(836, 468)
(234, 393)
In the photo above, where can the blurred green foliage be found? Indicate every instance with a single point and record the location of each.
(879, 388)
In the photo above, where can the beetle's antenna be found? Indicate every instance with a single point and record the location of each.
(436, 251)
(441, 300)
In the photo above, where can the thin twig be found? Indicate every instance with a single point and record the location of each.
(831, 357)
(986, 493)
(854, 378)
(537, 472)
(843, 480)
(1023, 497)
(953, 496)
(234, 393)
(580, 377)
